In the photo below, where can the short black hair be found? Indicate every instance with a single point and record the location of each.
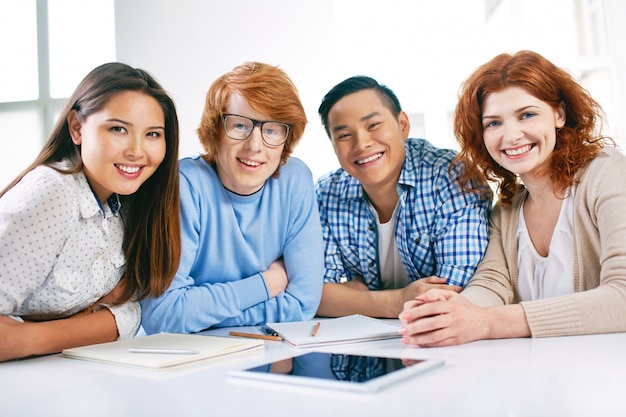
(353, 85)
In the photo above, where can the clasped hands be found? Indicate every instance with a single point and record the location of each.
(441, 318)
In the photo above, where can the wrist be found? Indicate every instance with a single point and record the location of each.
(506, 321)
(30, 340)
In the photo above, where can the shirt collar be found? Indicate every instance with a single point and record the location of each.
(90, 204)
(412, 160)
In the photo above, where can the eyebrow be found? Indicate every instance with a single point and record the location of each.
(124, 122)
(362, 119)
(520, 110)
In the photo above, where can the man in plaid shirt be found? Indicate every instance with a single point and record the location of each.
(396, 222)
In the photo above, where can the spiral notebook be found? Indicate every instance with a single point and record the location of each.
(349, 329)
(163, 350)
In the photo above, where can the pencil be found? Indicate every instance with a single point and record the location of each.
(255, 336)
(316, 328)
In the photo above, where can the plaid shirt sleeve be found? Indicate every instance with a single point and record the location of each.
(461, 229)
(445, 228)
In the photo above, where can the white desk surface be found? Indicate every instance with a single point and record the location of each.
(565, 376)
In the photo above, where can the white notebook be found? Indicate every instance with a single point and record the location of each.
(163, 350)
(349, 329)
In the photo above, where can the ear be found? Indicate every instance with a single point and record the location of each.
(405, 124)
(74, 125)
(560, 116)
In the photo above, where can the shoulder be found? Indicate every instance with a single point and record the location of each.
(294, 180)
(602, 170)
(608, 159)
(425, 163)
(45, 189)
(193, 165)
(426, 153)
(598, 177)
(336, 182)
(295, 167)
(423, 159)
(45, 181)
(195, 171)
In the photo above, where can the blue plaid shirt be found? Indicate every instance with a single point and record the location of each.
(441, 230)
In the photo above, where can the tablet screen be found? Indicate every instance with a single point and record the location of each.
(350, 372)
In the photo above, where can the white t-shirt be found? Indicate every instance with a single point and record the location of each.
(392, 270)
(551, 276)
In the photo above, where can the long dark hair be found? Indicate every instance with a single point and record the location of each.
(152, 242)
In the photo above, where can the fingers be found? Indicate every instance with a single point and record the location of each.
(430, 339)
(414, 311)
(426, 331)
(434, 280)
(280, 262)
(436, 294)
(276, 278)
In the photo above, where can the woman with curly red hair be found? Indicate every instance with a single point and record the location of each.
(556, 260)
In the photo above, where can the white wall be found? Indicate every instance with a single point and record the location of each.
(422, 49)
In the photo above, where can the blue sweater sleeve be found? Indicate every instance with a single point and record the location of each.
(226, 249)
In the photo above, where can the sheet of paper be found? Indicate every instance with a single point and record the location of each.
(349, 329)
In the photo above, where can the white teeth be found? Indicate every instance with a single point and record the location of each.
(127, 169)
(519, 151)
(370, 159)
(250, 163)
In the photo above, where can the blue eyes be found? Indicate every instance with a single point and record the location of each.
(523, 116)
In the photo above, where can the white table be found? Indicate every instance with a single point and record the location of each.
(566, 376)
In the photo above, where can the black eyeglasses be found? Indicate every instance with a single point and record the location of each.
(240, 128)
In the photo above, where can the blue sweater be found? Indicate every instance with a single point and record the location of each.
(229, 240)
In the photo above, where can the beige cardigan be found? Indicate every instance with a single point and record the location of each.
(599, 234)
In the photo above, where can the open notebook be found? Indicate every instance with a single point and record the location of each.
(349, 329)
(163, 350)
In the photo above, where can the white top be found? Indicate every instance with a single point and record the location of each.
(392, 271)
(546, 277)
(60, 250)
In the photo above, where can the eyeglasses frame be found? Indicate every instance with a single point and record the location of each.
(255, 123)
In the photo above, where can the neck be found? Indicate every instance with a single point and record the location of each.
(541, 191)
(384, 202)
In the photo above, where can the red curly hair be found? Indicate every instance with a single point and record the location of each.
(578, 141)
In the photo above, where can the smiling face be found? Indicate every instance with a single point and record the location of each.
(368, 140)
(122, 144)
(243, 166)
(519, 130)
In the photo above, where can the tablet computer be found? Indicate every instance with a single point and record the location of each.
(338, 371)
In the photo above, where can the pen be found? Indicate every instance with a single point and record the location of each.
(316, 328)
(255, 336)
(164, 351)
(269, 331)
